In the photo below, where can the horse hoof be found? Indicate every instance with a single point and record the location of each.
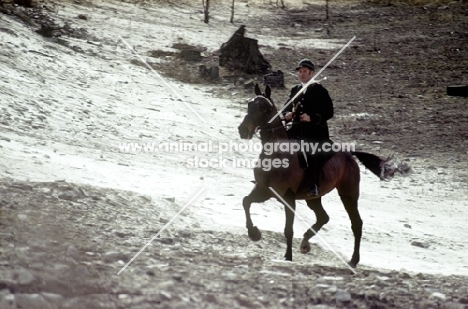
(255, 234)
(354, 260)
(288, 258)
(305, 246)
(353, 264)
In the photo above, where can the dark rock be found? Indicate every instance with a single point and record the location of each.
(191, 55)
(274, 79)
(214, 72)
(46, 30)
(464, 299)
(420, 244)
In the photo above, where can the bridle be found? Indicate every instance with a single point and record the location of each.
(263, 111)
(264, 127)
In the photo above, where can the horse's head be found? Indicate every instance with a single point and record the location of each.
(259, 111)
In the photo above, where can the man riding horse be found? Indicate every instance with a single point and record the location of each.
(309, 113)
(340, 170)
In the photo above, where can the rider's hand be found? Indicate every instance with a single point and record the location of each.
(288, 116)
(304, 117)
(314, 118)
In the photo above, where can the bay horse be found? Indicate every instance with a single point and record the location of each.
(341, 171)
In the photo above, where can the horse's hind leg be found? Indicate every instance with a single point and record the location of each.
(322, 219)
(257, 195)
(351, 205)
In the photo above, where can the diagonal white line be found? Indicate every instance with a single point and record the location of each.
(312, 80)
(167, 224)
(162, 79)
(309, 227)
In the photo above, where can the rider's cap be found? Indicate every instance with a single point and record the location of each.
(306, 63)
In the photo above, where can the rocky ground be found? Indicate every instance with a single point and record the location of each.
(66, 233)
(60, 249)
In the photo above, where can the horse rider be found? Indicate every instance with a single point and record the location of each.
(309, 113)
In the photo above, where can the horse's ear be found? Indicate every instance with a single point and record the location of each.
(267, 91)
(257, 90)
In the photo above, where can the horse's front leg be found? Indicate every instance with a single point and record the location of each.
(257, 195)
(290, 209)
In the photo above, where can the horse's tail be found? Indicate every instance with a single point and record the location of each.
(385, 169)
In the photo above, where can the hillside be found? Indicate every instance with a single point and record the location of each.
(77, 203)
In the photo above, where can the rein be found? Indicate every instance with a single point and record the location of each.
(282, 126)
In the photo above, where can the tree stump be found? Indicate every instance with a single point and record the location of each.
(241, 53)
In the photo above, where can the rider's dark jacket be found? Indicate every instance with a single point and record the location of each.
(316, 103)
